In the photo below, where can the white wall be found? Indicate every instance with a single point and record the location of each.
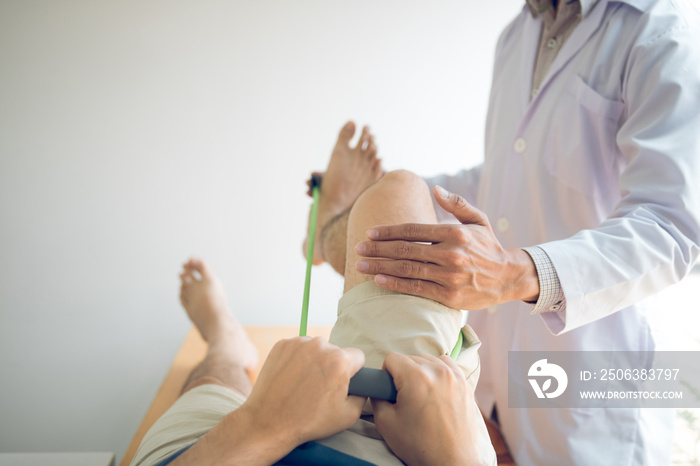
(134, 134)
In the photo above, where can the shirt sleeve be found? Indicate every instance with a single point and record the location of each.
(551, 297)
(652, 238)
(551, 304)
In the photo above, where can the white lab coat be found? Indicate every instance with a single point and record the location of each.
(602, 170)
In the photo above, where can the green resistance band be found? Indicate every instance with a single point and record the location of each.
(458, 347)
(315, 193)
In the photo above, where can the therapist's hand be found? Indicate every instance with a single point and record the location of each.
(463, 267)
(434, 418)
(301, 393)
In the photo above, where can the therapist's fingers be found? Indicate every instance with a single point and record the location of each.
(397, 250)
(402, 268)
(463, 211)
(428, 233)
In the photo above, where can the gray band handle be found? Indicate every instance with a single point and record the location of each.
(374, 383)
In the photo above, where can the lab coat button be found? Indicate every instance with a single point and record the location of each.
(551, 43)
(503, 224)
(493, 310)
(520, 145)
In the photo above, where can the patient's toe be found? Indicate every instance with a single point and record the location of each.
(371, 150)
(346, 133)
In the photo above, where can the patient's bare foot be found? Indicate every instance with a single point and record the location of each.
(202, 296)
(350, 171)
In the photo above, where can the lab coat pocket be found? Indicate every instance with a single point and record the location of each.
(580, 149)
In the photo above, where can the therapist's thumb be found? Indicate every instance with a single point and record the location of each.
(463, 211)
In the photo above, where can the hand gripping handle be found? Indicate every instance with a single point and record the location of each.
(374, 383)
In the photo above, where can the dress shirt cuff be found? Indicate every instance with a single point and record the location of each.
(551, 297)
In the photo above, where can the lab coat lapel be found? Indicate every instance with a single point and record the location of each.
(528, 55)
(575, 42)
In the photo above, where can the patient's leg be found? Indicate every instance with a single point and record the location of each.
(230, 352)
(377, 320)
(350, 171)
(400, 197)
(218, 385)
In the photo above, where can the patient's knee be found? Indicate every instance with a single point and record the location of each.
(404, 179)
(399, 189)
(397, 182)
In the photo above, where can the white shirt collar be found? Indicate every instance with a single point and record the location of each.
(587, 5)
